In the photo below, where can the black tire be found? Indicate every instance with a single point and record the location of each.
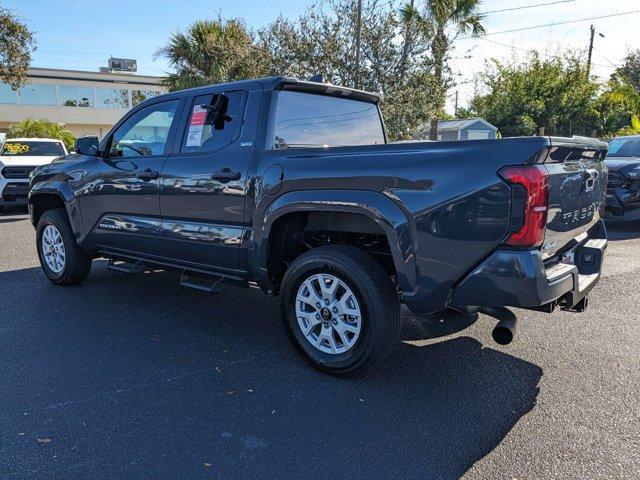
(77, 263)
(375, 293)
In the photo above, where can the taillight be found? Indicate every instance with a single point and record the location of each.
(530, 201)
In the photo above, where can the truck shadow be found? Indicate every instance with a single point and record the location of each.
(622, 230)
(132, 374)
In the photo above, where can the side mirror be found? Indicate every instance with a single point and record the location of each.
(87, 146)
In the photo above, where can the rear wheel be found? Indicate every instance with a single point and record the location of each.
(341, 309)
(61, 258)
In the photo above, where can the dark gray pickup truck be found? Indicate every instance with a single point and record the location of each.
(291, 186)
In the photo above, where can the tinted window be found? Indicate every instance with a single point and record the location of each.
(145, 132)
(7, 95)
(202, 134)
(68, 96)
(85, 96)
(46, 94)
(308, 120)
(112, 98)
(139, 96)
(26, 149)
(28, 95)
(624, 147)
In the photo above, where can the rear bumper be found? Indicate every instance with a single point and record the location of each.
(520, 279)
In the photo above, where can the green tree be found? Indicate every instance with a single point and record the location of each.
(395, 57)
(16, 46)
(32, 128)
(617, 106)
(524, 97)
(212, 51)
(629, 71)
(458, 17)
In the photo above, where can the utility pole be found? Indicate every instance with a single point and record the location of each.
(593, 31)
(455, 107)
(358, 34)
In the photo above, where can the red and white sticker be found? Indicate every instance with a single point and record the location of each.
(196, 126)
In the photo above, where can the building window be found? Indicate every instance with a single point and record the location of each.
(139, 96)
(46, 94)
(112, 98)
(68, 96)
(28, 95)
(7, 95)
(85, 96)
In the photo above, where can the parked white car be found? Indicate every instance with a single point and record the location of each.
(17, 158)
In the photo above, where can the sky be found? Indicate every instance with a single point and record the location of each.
(71, 35)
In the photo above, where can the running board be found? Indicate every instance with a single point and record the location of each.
(209, 284)
(126, 267)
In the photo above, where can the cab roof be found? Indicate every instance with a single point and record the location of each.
(290, 83)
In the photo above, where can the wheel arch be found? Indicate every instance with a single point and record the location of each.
(55, 195)
(375, 206)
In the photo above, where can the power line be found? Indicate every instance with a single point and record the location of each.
(527, 6)
(552, 24)
(538, 52)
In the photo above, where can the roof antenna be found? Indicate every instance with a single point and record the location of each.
(318, 78)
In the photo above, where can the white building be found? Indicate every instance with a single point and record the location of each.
(88, 103)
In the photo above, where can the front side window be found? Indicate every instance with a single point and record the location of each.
(624, 147)
(310, 120)
(213, 122)
(28, 149)
(145, 132)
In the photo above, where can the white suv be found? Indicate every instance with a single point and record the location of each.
(18, 157)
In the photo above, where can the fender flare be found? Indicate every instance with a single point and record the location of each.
(374, 205)
(61, 190)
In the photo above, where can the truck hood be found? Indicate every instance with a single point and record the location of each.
(26, 161)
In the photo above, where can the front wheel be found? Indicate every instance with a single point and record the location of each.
(61, 258)
(341, 310)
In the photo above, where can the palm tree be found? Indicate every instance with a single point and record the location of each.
(212, 51)
(33, 128)
(460, 16)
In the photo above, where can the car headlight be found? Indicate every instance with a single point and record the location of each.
(634, 174)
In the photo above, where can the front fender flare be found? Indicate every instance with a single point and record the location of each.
(378, 207)
(61, 190)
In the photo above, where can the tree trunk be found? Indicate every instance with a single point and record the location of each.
(439, 49)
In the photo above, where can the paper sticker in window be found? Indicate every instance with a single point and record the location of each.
(196, 126)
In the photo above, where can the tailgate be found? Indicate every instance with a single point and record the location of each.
(577, 190)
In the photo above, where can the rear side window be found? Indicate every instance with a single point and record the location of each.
(310, 120)
(214, 122)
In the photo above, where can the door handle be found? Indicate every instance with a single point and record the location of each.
(147, 174)
(225, 175)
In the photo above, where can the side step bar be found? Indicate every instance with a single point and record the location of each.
(205, 282)
(210, 284)
(126, 267)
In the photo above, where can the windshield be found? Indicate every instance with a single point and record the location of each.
(624, 147)
(27, 149)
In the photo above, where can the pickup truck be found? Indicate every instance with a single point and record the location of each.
(291, 186)
(623, 189)
(18, 157)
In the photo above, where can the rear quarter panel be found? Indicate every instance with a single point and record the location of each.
(454, 204)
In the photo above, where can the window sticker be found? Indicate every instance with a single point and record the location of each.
(196, 126)
(16, 148)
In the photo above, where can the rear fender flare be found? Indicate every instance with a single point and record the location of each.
(374, 205)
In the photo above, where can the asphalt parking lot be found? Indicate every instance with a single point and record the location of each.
(127, 377)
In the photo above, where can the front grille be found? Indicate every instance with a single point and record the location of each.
(616, 179)
(16, 172)
(15, 191)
